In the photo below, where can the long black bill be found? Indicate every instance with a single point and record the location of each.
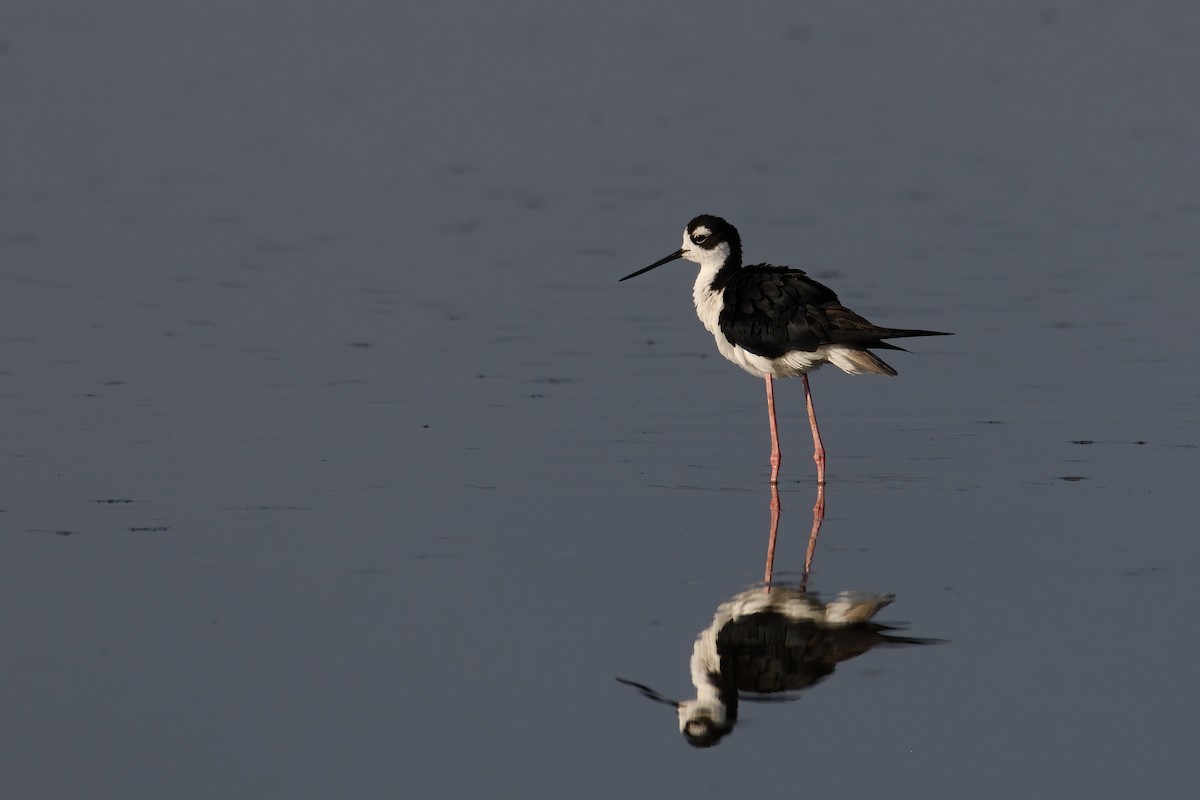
(677, 254)
(646, 691)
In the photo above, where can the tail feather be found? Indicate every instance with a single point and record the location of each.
(900, 333)
(851, 339)
(854, 361)
(873, 337)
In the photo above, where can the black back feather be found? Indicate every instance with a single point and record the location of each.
(770, 311)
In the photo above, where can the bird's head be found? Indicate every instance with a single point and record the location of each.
(708, 241)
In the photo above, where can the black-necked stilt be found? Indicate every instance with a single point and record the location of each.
(776, 322)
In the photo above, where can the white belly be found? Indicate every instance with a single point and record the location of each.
(789, 365)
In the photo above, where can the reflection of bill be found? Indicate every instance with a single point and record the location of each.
(768, 645)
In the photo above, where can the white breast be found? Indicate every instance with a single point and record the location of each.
(709, 304)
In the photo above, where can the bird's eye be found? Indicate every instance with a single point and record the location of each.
(699, 238)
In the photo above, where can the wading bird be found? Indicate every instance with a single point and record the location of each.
(776, 322)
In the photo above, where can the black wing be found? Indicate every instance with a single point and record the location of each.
(770, 311)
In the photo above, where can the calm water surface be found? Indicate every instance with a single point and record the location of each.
(337, 463)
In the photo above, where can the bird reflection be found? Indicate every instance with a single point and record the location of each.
(770, 642)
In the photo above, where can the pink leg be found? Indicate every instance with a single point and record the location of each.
(818, 448)
(776, 456)
(818, 518)
(775, 509)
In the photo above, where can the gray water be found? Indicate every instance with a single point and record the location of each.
(338, 464)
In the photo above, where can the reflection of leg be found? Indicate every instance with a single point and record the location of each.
(776, 456)
(818, 448)
(818, 518)
(775, 509)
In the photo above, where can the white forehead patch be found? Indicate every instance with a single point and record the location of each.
(702, 231)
